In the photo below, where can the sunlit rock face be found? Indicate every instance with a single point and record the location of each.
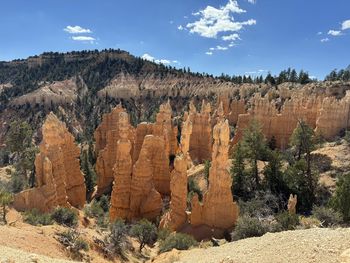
(134, 194)
(106, 137)
(218, 210)
(59, 181)
(201, 138)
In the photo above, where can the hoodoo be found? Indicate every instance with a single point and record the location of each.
(59, 181)
(107, 136)
(218, 210)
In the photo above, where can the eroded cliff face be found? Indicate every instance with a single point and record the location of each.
(333, 117)
(107, 136)
(59, 181)
(201, 138)
(218, 210)
(279, 125)
(326, 115)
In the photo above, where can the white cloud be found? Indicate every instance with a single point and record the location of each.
(252, 1)
(147, 57)
(345, 25)
(213, 21)
(158, 61)
(319, 33)
(83, 38)
(77, 30)
(260, 71)
(221, 48)
(334, 33)
(232, 37)
(324, 39)
(209, 53)
(231, 44)
(180, 27)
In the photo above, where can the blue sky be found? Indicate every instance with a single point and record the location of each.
(234, 37)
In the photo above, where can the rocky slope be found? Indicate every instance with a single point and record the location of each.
(307, 246)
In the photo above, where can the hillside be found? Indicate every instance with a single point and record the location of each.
(311, 245)
(79, 87)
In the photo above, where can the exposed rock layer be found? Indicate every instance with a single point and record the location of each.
(218, 210)
(59, 181)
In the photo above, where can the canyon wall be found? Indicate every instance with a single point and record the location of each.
(59, 181)
(326, 115)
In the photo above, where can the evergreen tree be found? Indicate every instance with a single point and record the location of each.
(302, 177)
(254, 148)
(341, 199)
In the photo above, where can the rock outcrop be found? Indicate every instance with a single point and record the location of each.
(218, 210)
(292, 204)
(201, 138)
(333, 116)
(120, 197)
(134, 195)
(59, 181)
(145, 200)
(327, 115)
(279, 125)
(177, 216)
(107, 136)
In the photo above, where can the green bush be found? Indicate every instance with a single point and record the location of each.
(288, 221)
(115, 241)
(249, 227)
(163, 233)
(145, 232)
(65, 216)
(264, 204)
(93, 209)
(117, 238)
(327, 216)
(178, 241)
(341, 199)
(35, 217)
(193, 188)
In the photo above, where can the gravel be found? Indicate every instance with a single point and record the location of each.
(312, 245)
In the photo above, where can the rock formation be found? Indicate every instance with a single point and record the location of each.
(218, 210)
(120, 197)
(279, 125)
(292, 203)
(327, 115)
(59, 181)
(333, 116)
(177, 216)
(145, 200)
(107, 136)
(237, 107)
(163, 128)
(186, 133)
(201, 138)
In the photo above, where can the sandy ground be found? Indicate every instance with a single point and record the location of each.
(11, 255)
(300, 246)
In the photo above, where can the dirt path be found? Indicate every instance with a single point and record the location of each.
(302, 246)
